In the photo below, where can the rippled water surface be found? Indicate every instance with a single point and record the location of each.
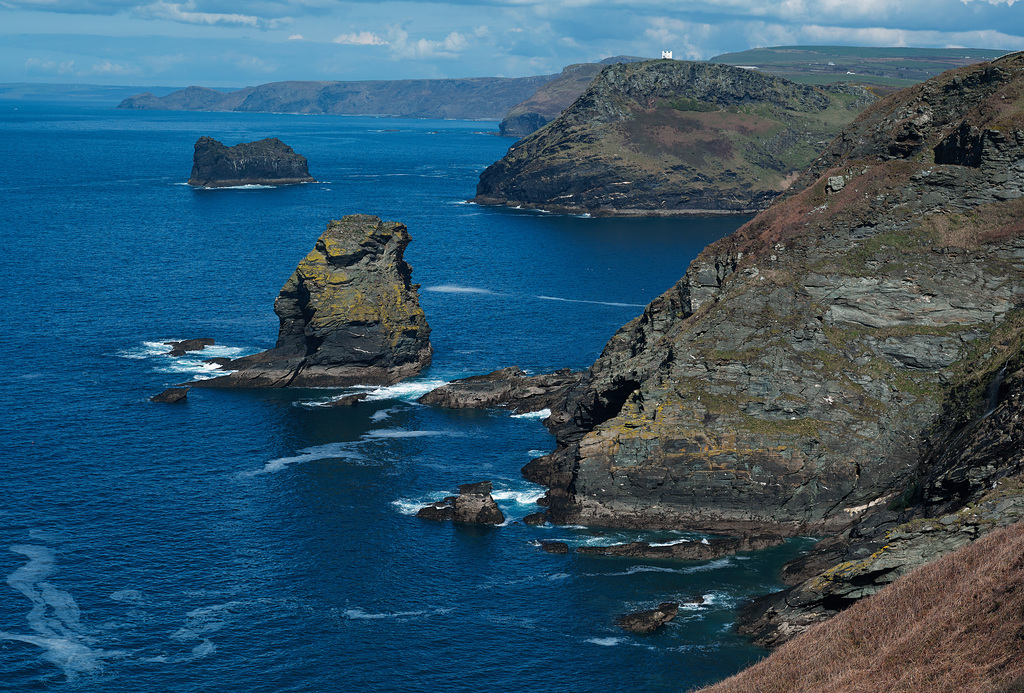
(257, 540)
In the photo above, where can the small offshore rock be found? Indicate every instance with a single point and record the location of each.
(171, 395)
(535, 519)
(558, 547)
(187, 345)
(643, 622)
(350, 400)
(265, 162)
(442, 510)
(475, 504)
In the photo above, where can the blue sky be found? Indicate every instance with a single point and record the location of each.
(223, 43)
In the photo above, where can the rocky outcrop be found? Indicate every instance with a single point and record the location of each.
(643, 622)
(474, 504)
(507, 387)
(685, 550)
(672, 137)
(266, 162)
(171, 395)
(183, 347)
(474, 98)
(349, 315)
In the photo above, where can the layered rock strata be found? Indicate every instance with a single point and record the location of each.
(672, 137)
(349, 315)
(507, 387)
(795, 379)
(265, 162)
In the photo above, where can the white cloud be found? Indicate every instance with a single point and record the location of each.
(363, 38)
(186, 13)
(404, 47)
(296, 37)
(50, 66)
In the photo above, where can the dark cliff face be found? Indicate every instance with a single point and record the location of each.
(672, 137)
(794, 379)
(266, 162)
(349, 315)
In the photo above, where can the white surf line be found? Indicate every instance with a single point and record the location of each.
(596, 303)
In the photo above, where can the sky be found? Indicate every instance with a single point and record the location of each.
(220, 43)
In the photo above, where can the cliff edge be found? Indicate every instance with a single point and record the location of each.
(349, 315)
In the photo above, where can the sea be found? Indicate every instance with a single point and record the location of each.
(262, 540)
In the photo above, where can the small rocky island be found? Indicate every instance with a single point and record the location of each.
(349, 314)
(265, 162)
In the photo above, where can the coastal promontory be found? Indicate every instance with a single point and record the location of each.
(349, 315)
(849, 364)
(265, 162)
(673, 137)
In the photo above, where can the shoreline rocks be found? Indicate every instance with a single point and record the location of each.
(643, 622)
(686, 550)
(507, 387)
(183, 347)
(171, 395)
(349, 315)
(264, 162)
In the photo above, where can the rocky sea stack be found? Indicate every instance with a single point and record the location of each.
(673, 137)
(850, 363)
(349, 314)
(265, 162)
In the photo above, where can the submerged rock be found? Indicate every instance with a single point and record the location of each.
(349, 315)
(171, 395)
(556, 547)
(265, 162)
(507, 387)
(643, 622)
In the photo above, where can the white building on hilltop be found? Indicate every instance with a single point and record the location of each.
(666, 55)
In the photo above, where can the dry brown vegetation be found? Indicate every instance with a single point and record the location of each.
(955, 625)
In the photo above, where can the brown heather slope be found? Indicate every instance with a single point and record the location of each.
(955, 625)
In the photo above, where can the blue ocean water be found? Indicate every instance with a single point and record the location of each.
(256, 540)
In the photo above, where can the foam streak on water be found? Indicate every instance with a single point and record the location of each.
(54, 615)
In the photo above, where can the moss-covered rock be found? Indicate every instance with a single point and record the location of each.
(349, 314)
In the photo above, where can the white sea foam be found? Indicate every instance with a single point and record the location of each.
(521, 497)
(542, 414)
(672, 543)
(596, 303)
(383, 414)
(537, 453)
(402, 433)
(606, 642)
(54, 616)
(127, 596)
(342, 451)
(360, 614)
(248, 186)
(712, 565)
(456, 289)
(407, 390)
(556, 577)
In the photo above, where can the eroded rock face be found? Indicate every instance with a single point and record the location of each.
(265, 162)
(508, 387)
(349, 315)
(789, 381)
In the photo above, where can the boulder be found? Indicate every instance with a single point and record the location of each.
(349, 315)
(350, 400)
(265, 162)
(557, 547)
(643, 622)
(171, 395)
